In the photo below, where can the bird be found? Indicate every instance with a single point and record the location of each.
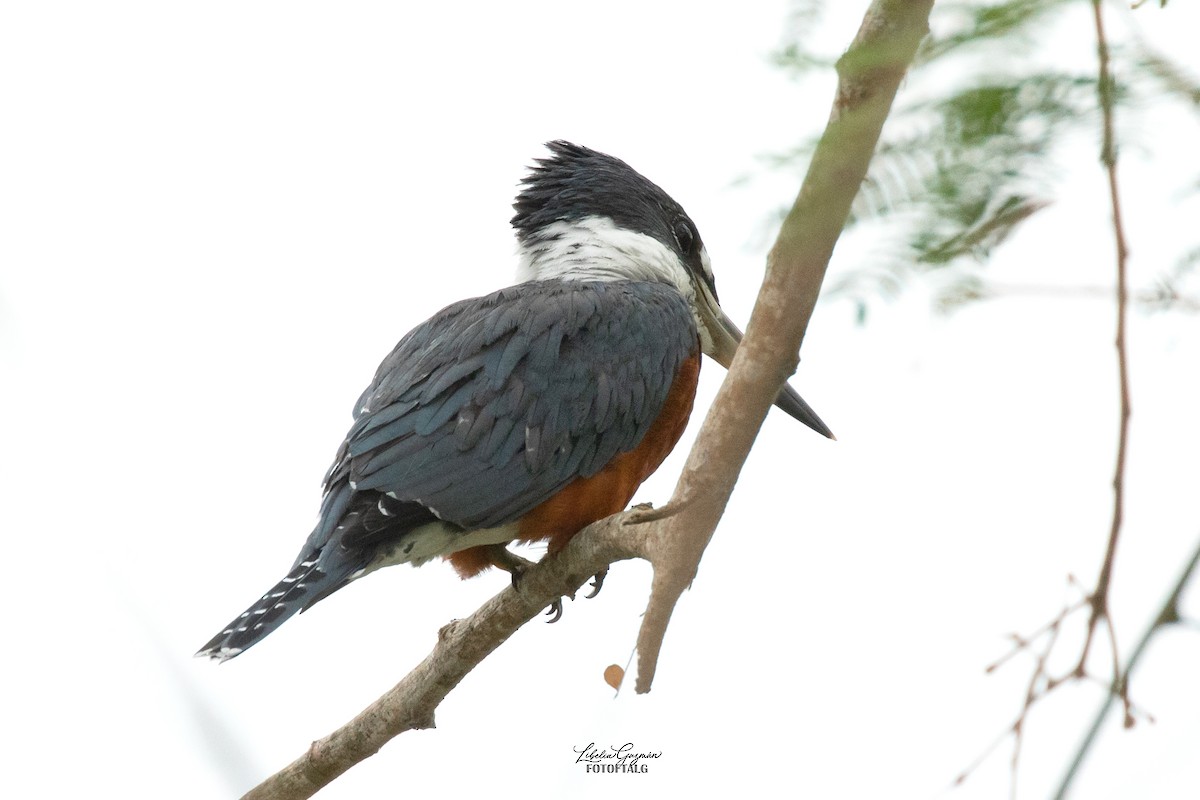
(528, 413)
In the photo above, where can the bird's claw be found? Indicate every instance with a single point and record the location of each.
(516, 566)
(556, 608)
(597, 583)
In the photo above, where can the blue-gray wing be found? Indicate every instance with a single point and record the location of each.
(496, 403)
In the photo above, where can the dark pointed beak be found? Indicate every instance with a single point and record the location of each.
(725, 336)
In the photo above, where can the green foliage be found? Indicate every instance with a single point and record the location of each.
(971, 149)
(975, 25)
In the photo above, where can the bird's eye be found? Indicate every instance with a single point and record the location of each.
(685, 236)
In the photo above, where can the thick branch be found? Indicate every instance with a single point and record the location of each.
(461, 646)
(870, 74)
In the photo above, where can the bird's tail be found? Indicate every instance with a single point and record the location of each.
(304, 585)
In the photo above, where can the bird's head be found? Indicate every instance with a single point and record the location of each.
(583, 215)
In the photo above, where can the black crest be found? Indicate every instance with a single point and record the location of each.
(576, 182)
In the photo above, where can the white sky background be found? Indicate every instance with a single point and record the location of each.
(217, 220)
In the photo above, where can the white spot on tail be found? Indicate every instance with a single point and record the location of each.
(221, 653)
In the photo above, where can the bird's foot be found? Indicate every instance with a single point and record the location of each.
(516, 566)
(510, 562)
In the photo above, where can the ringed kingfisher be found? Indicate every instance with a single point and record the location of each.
(531, 412)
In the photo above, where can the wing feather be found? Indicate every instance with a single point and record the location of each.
(495, 404)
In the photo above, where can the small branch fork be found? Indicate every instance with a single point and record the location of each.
(1168, 614)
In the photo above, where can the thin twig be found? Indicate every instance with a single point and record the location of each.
(1023, 642)
(1108, 157)
(1041, 683)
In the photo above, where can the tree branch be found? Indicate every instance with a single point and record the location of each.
(461, 646)
(869, 76)
(1096, 601)
(674, 538)
(1108, 156)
